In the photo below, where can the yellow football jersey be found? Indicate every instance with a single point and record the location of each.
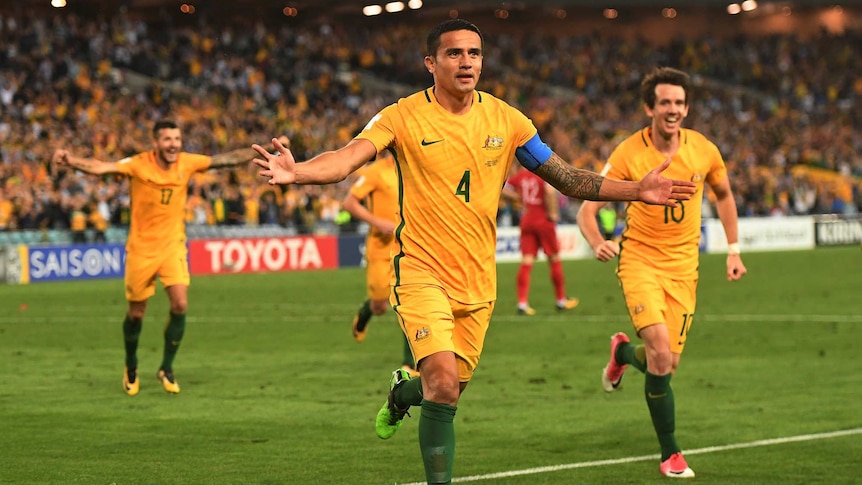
(665, 239)
(378, 186)
(451, 170)
(158, 200)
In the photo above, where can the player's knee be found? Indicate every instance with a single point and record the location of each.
(136, 317)
(444, 391)
(659, 357)
(178, 307)
(660, 362)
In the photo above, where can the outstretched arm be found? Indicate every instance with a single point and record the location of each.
(240, 155)
(326, 168)
(63, 158)
(584, 184)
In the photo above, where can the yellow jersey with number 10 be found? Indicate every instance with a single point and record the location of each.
(451, 170)
(662, 238)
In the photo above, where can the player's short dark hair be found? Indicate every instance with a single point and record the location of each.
(664, 75)
(432, 42)
(161, 125)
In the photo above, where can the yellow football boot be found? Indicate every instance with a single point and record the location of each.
(166, 377)
(131, 384)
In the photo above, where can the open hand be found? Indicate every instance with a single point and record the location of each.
(657, 190)
(279, 168)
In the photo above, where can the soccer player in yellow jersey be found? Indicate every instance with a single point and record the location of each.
(377, 185)
(658, 254)
(453, 148)
(156, 245)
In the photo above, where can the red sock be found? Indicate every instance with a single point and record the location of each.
(524, 282)
(557, 278)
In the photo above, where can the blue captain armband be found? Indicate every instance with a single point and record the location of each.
(533, 153)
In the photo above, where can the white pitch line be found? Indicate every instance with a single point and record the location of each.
(67, 315)
(784, 318)
(633, 459)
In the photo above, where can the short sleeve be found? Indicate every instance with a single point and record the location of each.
(380, 129)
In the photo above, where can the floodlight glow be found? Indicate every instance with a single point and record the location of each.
(371, 10)
(734, 9)
(415, 4)
(58, 3)
(393, 7)
(749, 5)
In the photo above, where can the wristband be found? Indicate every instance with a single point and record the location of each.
(733, 248)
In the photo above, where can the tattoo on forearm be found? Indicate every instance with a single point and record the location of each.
(235, 157)
(82, 164)
(573, 182)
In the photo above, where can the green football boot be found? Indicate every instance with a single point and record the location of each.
(390, 416)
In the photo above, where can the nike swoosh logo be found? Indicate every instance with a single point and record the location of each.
(656, 396)
(426, 143)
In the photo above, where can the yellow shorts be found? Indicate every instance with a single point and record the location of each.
(653, 299)
(378, 278)
(433, 323)
(171, 267)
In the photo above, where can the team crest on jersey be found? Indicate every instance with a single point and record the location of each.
(493, 142)
(697, 178)
(639, 309)
(422, 334)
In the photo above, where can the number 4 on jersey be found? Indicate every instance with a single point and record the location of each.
(464, 186)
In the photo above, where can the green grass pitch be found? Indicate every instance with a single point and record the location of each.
(275, 391)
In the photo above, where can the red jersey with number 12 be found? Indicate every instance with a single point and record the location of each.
(531, 188)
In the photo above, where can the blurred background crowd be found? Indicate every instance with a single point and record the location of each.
(785, 111)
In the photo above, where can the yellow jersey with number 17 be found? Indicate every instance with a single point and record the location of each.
(451, 170)
(158, 200)
(665, 239)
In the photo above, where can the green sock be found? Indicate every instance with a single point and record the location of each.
(363, 315)
(659, 398)
(437, 441)
(407, 358)
(409, 394)
(173, 336)
(633, 355)
(131, 332)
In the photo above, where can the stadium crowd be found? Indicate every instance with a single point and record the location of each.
(785, 112)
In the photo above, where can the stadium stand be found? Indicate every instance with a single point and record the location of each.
(783, 108)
